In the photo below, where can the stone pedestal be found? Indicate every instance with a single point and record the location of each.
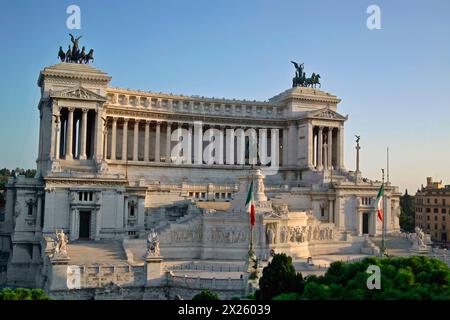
(58, 273)
(153, 271)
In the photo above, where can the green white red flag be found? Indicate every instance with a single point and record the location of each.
(379, 203)
(250, 204)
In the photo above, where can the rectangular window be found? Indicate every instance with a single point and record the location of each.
(428, 210)
(436, 210)
(443, 210)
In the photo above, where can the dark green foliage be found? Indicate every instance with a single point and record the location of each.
(206, 295)
(279, 277)
(23, 294)
(288, 296)
(408, 278)
(407, 212)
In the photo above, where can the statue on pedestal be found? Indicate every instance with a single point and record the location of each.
(60, 249)
(152, 244)
(419, 240)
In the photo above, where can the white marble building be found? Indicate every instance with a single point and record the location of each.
(105, 170)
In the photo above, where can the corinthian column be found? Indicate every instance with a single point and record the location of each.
(285, 147)
(57, 135)
(330, 148)
(168, 142)
(125, 140)
(340, 148)
(147, 141)
(69, 141)
(320, 149)
(188, 157)
(310, 145)
(83, 133)
(136, 140)
(113, 139)
(158, 142)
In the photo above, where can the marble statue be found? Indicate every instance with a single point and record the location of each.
(152, 244)
(61, 244)
(419, 240)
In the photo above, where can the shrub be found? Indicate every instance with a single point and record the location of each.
(279, 277)
(206, 295)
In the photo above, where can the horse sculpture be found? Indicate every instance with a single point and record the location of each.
(74, 55)
(300, 79)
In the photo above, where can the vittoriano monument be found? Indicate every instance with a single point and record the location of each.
(73, 54)
(300, 79)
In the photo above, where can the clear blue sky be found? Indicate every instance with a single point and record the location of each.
(394, 83)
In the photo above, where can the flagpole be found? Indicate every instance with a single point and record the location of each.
(383, 248)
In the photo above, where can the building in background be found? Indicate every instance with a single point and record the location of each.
(433, 210)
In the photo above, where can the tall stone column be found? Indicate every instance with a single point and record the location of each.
(105, 138)
(147, 141)
(330, 211)
(310, 145)
(359, 223)
(136, 140)
(340, 148)
(113, 139)
(168, 141)
(83, 133)
(189, 145)
(99, 135)
(57, 135)
(69, 141)
(285, 147)
(221, 152)
(330, 148)
(320, 149)
(158, 142)
(198, 142)
(125, 140)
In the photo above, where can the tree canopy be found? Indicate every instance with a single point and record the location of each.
(279, 277)
(415, 277)
(23, 294)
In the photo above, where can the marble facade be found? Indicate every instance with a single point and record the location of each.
(105, 171)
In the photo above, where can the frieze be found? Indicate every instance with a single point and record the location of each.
(112, 111)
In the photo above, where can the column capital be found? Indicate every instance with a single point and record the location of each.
(169, 123)
(148, 122)
(84, 110)
(126, 120)
(114, 119)
(321, 128)
(71, 109)
(158, 122)
(137, 120)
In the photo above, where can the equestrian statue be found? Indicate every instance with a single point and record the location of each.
(73, 54)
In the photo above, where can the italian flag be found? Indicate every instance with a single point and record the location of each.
(250, 204)
(379, 203)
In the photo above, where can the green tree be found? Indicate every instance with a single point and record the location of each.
(407, 212)
(23, 294)
(411, 278)
(279, 277)
(206, 295)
